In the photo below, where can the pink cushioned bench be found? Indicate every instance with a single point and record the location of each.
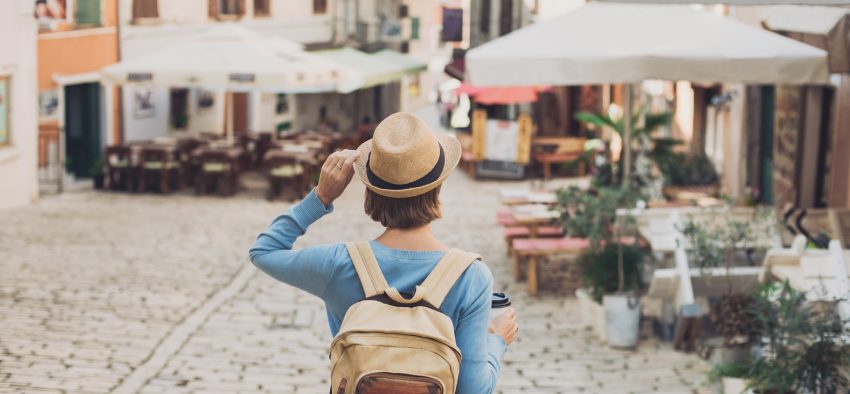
(532, 248)
(512, 233)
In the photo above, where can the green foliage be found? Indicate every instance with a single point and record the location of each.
(661, 147)
(96, 168)
(804, 349)
(651, 121)
(730, 370)
(680, 169)
(600, 269)
(592, 213)
(712, 244)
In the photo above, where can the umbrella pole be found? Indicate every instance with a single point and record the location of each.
(626, 162)
(228, 128)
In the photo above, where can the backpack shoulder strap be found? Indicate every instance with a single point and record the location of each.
(439, 283)
(368, 270)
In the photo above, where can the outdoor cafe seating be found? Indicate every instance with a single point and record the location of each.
(210, 163)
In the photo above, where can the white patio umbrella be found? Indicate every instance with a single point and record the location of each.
(625, 43)
(234, 59)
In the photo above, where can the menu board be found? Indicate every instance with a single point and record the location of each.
(501, 141)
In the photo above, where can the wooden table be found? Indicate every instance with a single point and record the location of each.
(534, 219)
(512, 197)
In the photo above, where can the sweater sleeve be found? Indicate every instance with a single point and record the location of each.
(309, 269)
(482, 352)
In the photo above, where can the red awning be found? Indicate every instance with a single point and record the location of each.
(502, 95)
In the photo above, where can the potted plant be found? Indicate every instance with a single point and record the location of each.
(610, 269)
(642, 131)
(688, 177)
(716, 245)
(96, 172)
(731, 378)
(803, 349)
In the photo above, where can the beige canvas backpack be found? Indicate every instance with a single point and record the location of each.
(391, 344)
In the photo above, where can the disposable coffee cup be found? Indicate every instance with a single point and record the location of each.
(500, 305)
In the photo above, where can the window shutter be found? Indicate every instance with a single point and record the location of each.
(241, 7)
(414, 28)
(320, 7)
(88, 12)
(145, 9)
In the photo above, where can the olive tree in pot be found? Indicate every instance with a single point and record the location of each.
(610, 268)
(725, 244)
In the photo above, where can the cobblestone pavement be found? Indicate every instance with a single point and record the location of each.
(105, 292)
(92, 283)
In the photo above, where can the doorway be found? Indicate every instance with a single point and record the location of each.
(240, 114)
(82, 129)
(178, 117)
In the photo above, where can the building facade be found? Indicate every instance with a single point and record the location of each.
(368, 25)
(18, 114)
(78, 113)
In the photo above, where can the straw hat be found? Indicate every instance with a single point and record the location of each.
(405, 158)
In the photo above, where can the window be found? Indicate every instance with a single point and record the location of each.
(320, 7)
(5, 103)
(262, 8)
(506, 17)
(145, 9)
(484, 17)
(229, 7)
(414, 28)
(88, 12)
(226, 9)
(281, 104)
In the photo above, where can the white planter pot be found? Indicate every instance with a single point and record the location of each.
(622, 317)
(734, 386)
(592, 314)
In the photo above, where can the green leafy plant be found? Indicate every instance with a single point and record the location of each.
(96, 168)
(729, 370)
(713, 245)
(661, 147)
(600, 269)
(592, 214)
(803, 349)
(680, 169)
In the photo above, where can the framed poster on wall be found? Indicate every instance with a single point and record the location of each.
(143, 105)
(4, 110)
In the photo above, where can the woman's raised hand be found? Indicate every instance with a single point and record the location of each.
(336, 175)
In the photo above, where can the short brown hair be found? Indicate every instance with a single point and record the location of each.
(403, 213)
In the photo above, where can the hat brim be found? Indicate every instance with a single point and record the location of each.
(451, 148)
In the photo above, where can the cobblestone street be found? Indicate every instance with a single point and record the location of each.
(108, 292)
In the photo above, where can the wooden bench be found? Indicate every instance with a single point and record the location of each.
(532, 249)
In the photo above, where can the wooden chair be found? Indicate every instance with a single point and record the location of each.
(265, 141)
(218, 172)
(120, 171)
(160, 166)
(285, 173)
(566, 149)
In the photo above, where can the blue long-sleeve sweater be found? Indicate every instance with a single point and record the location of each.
(326, 271)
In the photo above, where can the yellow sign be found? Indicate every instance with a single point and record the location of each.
(523, 155)
(479, 134)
